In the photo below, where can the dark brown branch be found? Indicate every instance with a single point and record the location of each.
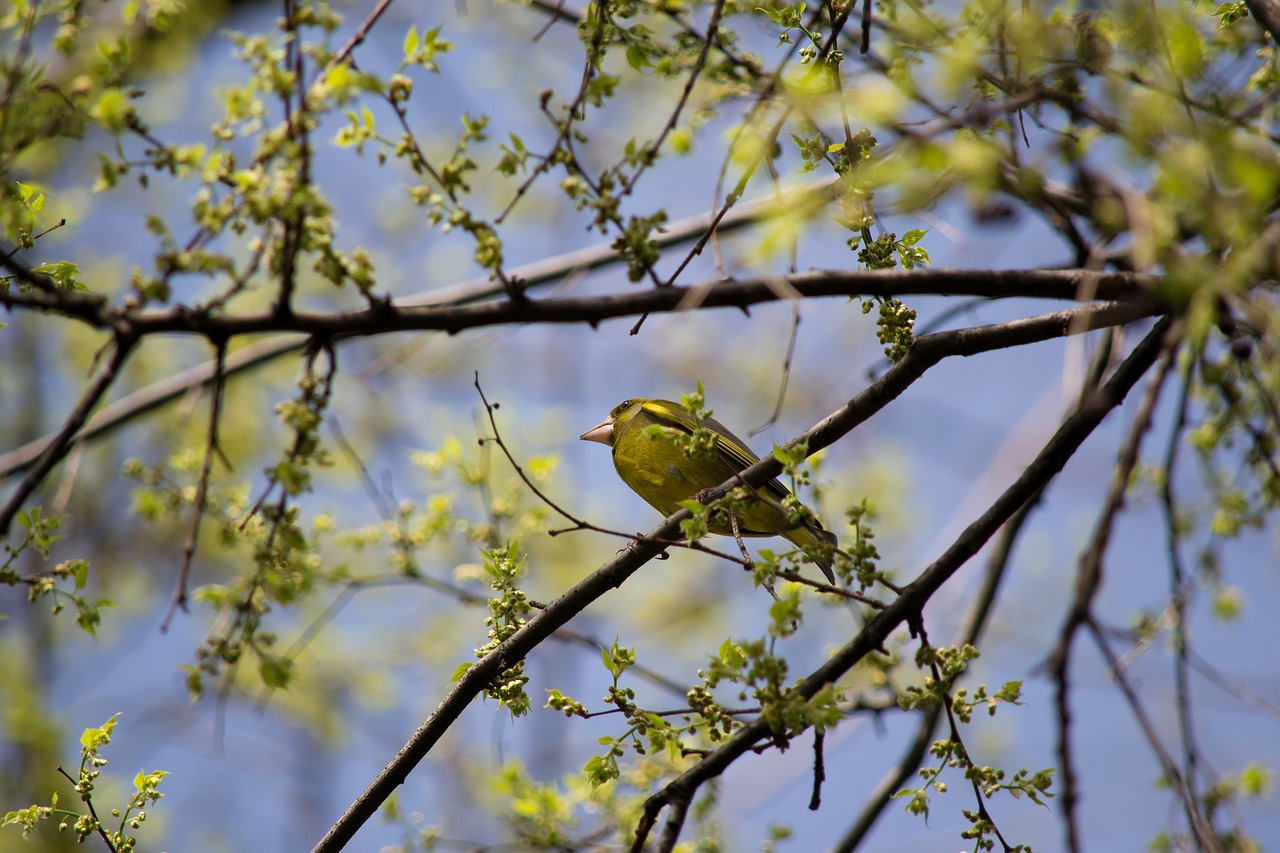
(1051, 459)
(994, 284)
(819, 770)
(1088, 581)
(675, 821)
(969, 633)
(179, 599)
(926, 352)
(57, 448)
(547, 271)
(1267, 14)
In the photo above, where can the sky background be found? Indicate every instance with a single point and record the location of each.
(268, 776)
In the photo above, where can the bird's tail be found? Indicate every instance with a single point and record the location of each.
(815, 535)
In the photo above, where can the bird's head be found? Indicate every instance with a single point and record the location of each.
(605, 431)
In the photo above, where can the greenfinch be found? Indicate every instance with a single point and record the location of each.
(651, 458)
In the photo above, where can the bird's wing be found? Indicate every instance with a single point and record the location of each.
(734, 449)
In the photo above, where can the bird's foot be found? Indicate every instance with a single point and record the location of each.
(632, 544)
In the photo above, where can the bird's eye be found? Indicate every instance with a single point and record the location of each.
(621, 407)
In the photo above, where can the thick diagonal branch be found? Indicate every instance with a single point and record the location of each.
(1051, 459)
(926, 352)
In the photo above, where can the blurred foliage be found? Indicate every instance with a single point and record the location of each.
(1144, 135)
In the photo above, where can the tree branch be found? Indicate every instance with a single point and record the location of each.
(1267, 14)
(1088, 581)
(531, 275)
(1047, 464)
(381, 319)
(925, 352)
(974, 622)
(57, 448)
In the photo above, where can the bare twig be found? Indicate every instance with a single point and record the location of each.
(786, 371)
(1051, 459)
(1088, 581)
(1232, 687)
(1204, 834)
(179, 599)
(926, 352)
(1178, 584)
(969, 632)
(53, 452)
(361, 33)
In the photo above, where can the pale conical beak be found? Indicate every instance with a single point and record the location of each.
(601, 432)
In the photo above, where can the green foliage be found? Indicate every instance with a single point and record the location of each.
(979, 105)
(947, 664)
(507, 612)
(39, 536)
(859, 558)
(126, 819)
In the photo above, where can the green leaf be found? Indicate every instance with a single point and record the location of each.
(1255, 780)
(94, 738)
(63, 273)
(608, 662)
(459, 671)
(112, 110)
(637, 58)
(275, 671)
(144, 781)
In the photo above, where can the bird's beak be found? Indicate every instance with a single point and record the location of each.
(601, 432)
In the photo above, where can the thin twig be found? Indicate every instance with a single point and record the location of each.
(925, 352)
(179, 599)
(1088, 581)
(968, 633)
(961, 751)
(786, 371)
(87, 799)
(1178, 584)
(1047, 464)
(579, 523)
(361, 33)
(122, 346)
(1203, 832)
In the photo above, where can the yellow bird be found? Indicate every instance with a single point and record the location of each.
(654, 464)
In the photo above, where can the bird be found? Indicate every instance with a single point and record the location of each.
(654, 464)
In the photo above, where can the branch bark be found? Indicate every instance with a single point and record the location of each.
(927, 351)
(389, 317)
(62, 442)
(908, 606)
(1267, 14)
